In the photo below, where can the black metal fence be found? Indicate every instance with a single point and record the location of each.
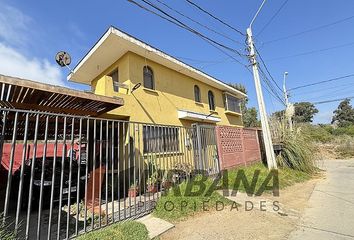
(64, 175)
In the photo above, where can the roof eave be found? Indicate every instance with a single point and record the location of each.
(112, 30)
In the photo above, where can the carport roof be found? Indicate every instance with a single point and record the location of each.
(29, 95)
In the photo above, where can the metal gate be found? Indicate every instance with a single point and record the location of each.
(64, 175)
(205, 148)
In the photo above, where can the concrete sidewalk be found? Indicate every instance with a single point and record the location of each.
(155, 226)
(331, 207)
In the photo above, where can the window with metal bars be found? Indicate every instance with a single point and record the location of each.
(160, 139)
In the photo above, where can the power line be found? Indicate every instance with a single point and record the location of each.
(272, 18)
(321, 82)
(271, 86)
(182, 25)
(332, 100)
(200, 61)
(340, 92)
(337, 87)
(265, 66)
(309, 30)
(265, 86)
(268, 87)
(200, 24)
(270, 93)
(216, 18)
(312, 52)
(273, 92)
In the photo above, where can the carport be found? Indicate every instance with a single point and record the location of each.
(42, 122)
(16, 93)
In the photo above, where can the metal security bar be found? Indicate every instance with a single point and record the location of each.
(64, 175)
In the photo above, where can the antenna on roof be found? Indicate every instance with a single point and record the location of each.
(63, 59)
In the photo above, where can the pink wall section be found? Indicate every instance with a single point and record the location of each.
(237, 146)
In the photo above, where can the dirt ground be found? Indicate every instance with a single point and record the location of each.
(328, 151)
(254, 224)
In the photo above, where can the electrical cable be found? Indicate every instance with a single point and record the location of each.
(321, 82)
(200, 24)
(332, 100)
(272, 18)
(331, 88)
(216, 18)
(266, 68)
(270, 86)
(214, 43)
(186, 27)
(308, 30)
(340, 92)
(197, 61)
(312, 52)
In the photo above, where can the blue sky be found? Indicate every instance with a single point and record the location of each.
(31, 32)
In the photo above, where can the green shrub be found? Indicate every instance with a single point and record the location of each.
(349, 130)
(319, 133)
(123, 231)
(297, 153)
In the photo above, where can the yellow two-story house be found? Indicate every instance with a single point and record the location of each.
(156, 87)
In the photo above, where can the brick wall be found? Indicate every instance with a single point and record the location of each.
(237, 146)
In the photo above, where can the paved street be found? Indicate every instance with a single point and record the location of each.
(330, 214)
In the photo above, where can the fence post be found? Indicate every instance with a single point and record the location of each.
(219, 148)
(199, 144)
(218, 157)
(243, 146)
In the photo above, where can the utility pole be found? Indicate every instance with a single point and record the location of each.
(288, 110)
(272, 164)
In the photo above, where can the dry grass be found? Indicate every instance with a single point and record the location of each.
(344, 146)
(297, 151)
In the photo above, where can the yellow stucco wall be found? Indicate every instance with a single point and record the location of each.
(173, 91)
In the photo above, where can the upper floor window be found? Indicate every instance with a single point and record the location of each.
(148, 78)
(196, 93)
(211, 100)
(232, 103)
(115, 80)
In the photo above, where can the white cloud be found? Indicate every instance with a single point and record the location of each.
(13, 63)
(16, 33)
(13, 25)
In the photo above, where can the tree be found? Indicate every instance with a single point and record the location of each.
(279, 115)
(304, 112)
(250, 118)
(344, 114)
(249, 115)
